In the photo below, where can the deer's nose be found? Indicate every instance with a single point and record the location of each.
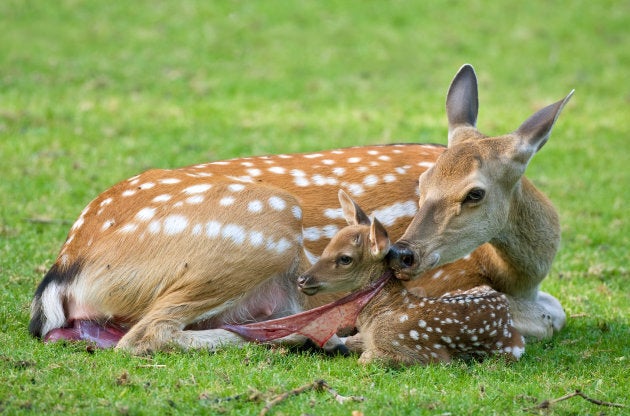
(301, 281)
(308, 284)
(400, 257)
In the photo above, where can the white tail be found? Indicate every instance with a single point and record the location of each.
(398, 326)
(169, 255)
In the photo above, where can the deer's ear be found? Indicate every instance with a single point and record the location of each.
(379, 240)
(352, 212)
(535, 131)
(462, 102)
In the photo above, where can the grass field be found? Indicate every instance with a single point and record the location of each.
(94, 92)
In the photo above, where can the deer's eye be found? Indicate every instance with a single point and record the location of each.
(344, 260)
(474, 196)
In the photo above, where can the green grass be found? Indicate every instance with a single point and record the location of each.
(94, 92)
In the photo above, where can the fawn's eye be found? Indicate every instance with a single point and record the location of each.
(474, 196)
(344, 260)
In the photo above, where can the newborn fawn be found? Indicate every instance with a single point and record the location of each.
(401, 327)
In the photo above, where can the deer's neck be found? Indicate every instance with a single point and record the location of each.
(392, 295)
(528, 244)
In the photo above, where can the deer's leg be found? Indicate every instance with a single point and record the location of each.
(537, 318)
(163, 324)
(554, 309)
(354, 343)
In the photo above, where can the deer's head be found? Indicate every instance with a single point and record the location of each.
(353, 258)
(466, 197)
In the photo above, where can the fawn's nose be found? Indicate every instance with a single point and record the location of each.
(301, 281)
(308, 284)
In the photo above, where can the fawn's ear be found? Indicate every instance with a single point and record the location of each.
(379, 240)
(535, 131)
(462, 102)
(352, 212)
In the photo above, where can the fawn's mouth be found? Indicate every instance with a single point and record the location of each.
(310, 290)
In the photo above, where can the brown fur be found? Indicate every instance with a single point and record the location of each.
(398, 327)
(140, 254)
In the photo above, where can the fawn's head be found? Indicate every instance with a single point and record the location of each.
(465, 198)
(353, 258)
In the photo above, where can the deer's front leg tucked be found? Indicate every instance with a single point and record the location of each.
(538, 318)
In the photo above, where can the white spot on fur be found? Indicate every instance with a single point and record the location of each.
(312, 233)
(313, 155)
(437, 274)
(333, 213)
(162, 198)
(236, 187)
(195, 199)
(129, 192)
(354, 160)
(422, 323)
(277, 169)
(301, 181)
(297, 212)
(78, 223)
(328, 162)
(403, 318)
(330, 230)
(234, 232)
(370, 180)
(427, 165)
(414, 334)
(356, 190)
(175, 224)
(299, 178)
(154, 227)
(339, 171)
(145, 214)
(321, 180)
(213, 228)
(106, 202)
(280, 246)
(147, 185)
(256, 238)
(255, 206)
(277, 203)
(197, 189)
(226, 201)
(128, 228)
(169, 181)
(390, 214)
(254, 172)
(107, 224)
(384, 158)
(243, 178)
(389, 178)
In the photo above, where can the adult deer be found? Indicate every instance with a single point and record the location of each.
(398, 326)
(168, 256)
(479, 220)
